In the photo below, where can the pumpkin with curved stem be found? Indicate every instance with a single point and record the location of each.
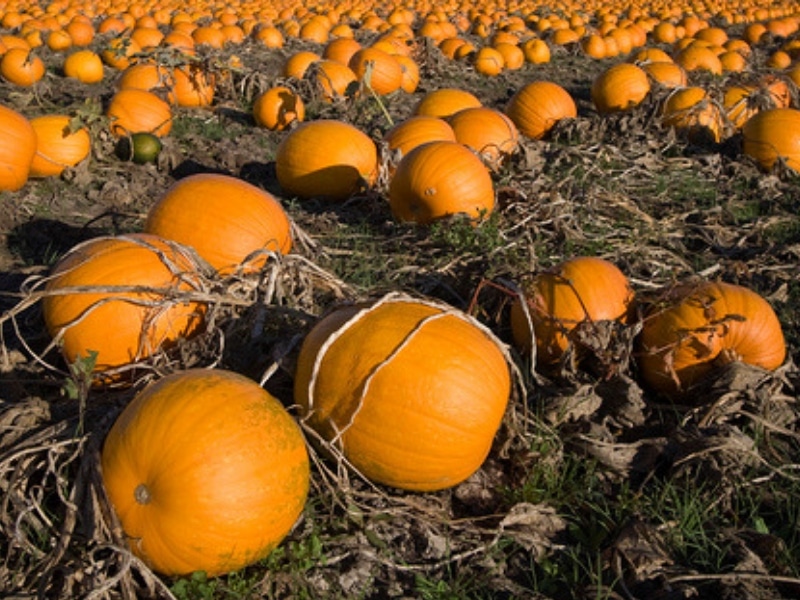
(226, 220)
(206, 472)
(424, 392)
(685, 337)
(147, 312)
(584, 289)
(17, 149)
(773, 135)
(326, 158)
(619, 88)
(440, 179)
(487, 132)
(134, 111)
(278, 107)
(538, 106)
(58, 146)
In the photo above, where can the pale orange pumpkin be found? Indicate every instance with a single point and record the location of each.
(206, 471)
(536, 107)
(584, 289)
(225, 219)
(326, 158)
(145, 315)
(412, 391)
(441, 179)
(699, 326)
(17, 149)
(59, 145)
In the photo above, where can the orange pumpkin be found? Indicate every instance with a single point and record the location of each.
(278, 107)
(694, 115)
(133, 323)
(85, 66)
(326, 158)
(226, 220)
(134, 111)
(145, 76)
(619, 88)
(206, 472)
(440, 179)
(17, 149)
(584, 289)
(412, 392)
(537, 106)
(378, 69)
(445, 102)
(698, 325)
(59, 146)
(487, 132)
(773, 135)
(415, 131)
(192, 86)
(21, 67)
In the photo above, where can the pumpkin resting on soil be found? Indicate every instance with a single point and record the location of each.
(412, 392)
(206, 472)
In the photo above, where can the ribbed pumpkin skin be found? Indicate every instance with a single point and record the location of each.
(57, 147)
(486, 131)
(773, 134)
(386, 73)
(116, 324)
(580, 289)
(440, 179)
(224, 465)
(17, 148)
(326, 158)
(681, 343)
(619, 88)
(538, 106)
(134, 111)
(435, 388)
(223, 218)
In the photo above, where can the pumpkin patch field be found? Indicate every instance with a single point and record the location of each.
(454, 300)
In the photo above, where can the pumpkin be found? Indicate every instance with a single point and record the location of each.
(411, 391)
(698, 326)
(377, 69)
(341, 49)
(21, 67)
(583, 289)
(488, 61)
(445, 102)
(58, 146)
(120, 52)
(619, 88)
(536, 51)
(409, 80)
(130, 324)
(326, 158)
(145, 76)
(298, 63)
(773, 135)
(192, 86)
(225, 219)
(415, 131)
(133, 111)
(440, 179)
(85, 66)
(536, 107)
(17, 149)
(487, 132)
(665, 74)
(278, 107)
(333, 79)
(694, 115)
(699, 58)
(206, 471)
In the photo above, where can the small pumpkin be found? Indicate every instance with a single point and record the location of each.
(441, 179)
(192, 86)
(415, 131)
(333, 79)
(383, 71)
(412, 391)
(694, 115)
(583, 289)
(206, 471)
(445, 102)
(326, 158)
(133, 111)
(537, 106)
(773, 135)
(84, 65)
(59, 145)
(133, 323)
(225, 219)
(698, 326)
(21, 67)
(619, 88)
(17, 149)
(486, 131)
(278, 107)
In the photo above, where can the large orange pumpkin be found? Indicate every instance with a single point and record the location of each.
(206, 472)
(584, 289)
(486, 131)
(415, 131)
(440, 179)
(326, 158)
(445, 102)
(537, 106)
(772, 135)
(136, 111)
(144, 315)
(411, 391)
(17, 149)
(385, 73)
(697, 325)
(225, 219)
(58, 146)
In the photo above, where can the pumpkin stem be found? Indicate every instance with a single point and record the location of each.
(142, 494)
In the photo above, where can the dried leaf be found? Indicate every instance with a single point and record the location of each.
(533, 526)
